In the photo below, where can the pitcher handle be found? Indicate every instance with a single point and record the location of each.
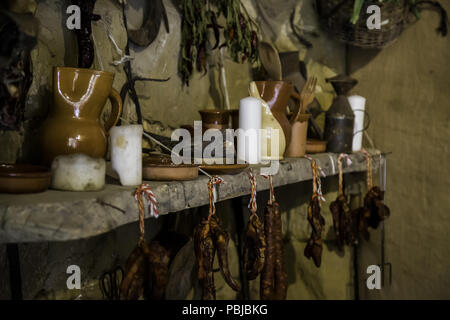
(116, 110)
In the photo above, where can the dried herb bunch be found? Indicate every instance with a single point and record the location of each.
(201, 16)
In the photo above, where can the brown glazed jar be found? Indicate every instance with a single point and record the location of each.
(73, 124)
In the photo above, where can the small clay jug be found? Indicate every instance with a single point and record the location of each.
(277, 95)
(73, 124)
(214, 119)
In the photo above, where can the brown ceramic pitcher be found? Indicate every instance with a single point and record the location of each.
(277, 95)
(73, 124)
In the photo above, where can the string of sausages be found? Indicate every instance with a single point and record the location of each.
(144, 190)
(272, 191)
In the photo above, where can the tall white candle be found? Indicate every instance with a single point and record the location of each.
(126, 153)
(357, 104)
(248, 138)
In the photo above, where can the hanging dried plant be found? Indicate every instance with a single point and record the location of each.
(201, 16)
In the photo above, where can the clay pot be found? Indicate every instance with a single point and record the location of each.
(297, 147)
(277, 95)
(215, 119)
(73, 124)
(234, 118)
(24, 178)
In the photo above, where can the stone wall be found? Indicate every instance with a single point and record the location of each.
(407, 90)
(44, 265)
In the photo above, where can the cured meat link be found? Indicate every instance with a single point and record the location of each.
(313, 248)
(254, 248)
(204, 252)
(221, 239)
(281, 280)
(267, 285)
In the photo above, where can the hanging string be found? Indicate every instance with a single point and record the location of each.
(369, 168)
(341, 173)
(215, 180)
(144, 190)
(317, 184)
(252, 204)
(272, 191)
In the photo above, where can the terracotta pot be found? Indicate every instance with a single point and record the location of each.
(73, 124)
(277, 95)
(234, 118)
(297, 147)
(215, 119)
(24, 178)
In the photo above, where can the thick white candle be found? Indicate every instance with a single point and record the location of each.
(248, 138)
(126, 153)
(357, 104)
(78, 172)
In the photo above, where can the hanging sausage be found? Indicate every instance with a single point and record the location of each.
(274, 279)
(374, 210)
(146, 269)
(209, 237)
(340, 211)
(254, 241)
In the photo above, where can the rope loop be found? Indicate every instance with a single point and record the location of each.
(316, 173)
(252, 204)
(152, 203)
(369, 168)
(272, 190)
(215, 180)
(341, 173)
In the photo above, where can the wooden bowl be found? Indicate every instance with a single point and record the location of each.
(24, 178)
(315, 146)
(161, 168)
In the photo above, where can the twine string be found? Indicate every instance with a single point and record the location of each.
(144, 190)
(252, 204)
(341, 173)
(215, 180)
(272, 190)
(316, 173)
(369, 168)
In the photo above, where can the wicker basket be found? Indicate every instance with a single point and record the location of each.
(336, 14)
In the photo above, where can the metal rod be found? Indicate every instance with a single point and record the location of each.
(15, 278)
(356, 271)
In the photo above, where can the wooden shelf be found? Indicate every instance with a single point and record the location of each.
(62, 216)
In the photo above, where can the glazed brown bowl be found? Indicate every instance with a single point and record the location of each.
(24, 178)
(217, 119)
(161, 168)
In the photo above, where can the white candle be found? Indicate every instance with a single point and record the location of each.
(357, 104)
(248, 137)
(126, 153)
(78, 172)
